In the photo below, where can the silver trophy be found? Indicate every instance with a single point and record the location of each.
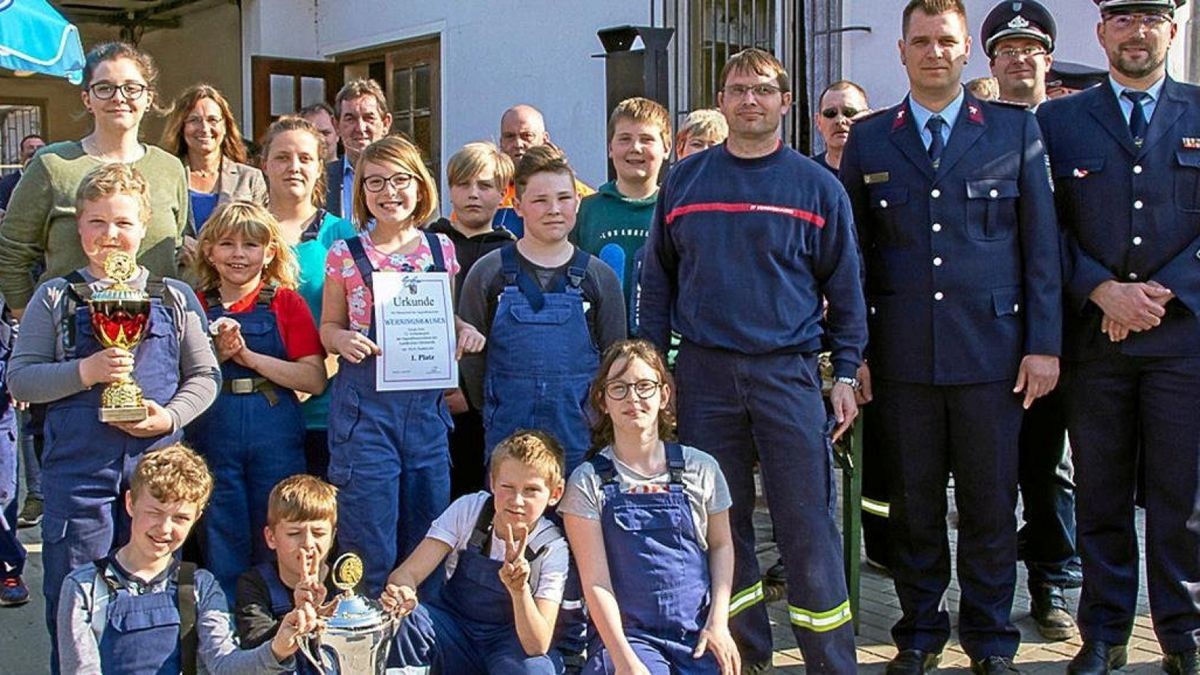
(358, 635)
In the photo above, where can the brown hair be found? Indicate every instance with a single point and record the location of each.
(932, 8)
(840, 85)
(297, 123)
(398, 150)
(533, 448)
(172, 475)
(625, 351)
(254, 223)
(111, 51)
(314, 108)
(107, 180)
(173, 141)
(302, 498)
(644, 111)
(759, 62)
(544, 158)
(358, 89)
(473, 159)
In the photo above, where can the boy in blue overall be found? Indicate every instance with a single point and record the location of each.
(12, 554)
(505, 566)
(301, 522)
(140, 611)
(57, 360)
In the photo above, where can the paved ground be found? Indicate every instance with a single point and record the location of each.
(24, 645)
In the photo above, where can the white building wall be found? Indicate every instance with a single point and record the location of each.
(873, 59)
(495, 53)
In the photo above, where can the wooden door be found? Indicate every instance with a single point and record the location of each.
(284, 86)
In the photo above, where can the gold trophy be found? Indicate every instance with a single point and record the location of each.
(120, 315)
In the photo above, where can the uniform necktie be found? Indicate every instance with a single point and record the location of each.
(937, 143)
(1137, 116)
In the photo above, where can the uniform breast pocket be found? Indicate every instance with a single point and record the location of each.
(1079, 186)
(887, 204)
(992, 208)
(1187, 180)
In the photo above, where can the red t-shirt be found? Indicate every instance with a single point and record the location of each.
(296, 326)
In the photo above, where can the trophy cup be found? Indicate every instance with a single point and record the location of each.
(120, 315)
(358, 635)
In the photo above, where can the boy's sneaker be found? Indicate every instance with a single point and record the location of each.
(31, 513)
(13, 592)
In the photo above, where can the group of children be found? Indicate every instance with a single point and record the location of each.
(541, 326)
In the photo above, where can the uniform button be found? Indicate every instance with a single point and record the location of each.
(938, 295)
(937, 262)
(937, 227)
(1137, 168)
(1016, 308)
(935, 193)
(1137, 204)
(1133, 276)
(1137, 241)
(872, 310)
(994, 193)
(883, 203)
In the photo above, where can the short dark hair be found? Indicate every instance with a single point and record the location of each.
(29, 137)
(932, 8)
(838, 86)
(319, 106)
(544, 158)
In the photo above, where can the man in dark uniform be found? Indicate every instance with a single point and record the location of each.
(1019, 39)
(1126, 164)
(1066, 78)
(956, 221)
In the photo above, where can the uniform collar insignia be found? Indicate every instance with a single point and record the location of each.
(901, 118)
(1191, 143)
(1019, 22)
(974, 113)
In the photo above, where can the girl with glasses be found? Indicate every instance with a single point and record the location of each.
(648, 523)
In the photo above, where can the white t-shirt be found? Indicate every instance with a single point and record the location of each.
(454, 528)
(703, 483)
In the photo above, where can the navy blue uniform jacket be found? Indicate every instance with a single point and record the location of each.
(1128, 213)
(962, 263)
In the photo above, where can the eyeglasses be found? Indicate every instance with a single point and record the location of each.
(739, 91)
(201, 121)
(831, 113)
(1129, 21)
(1019, 52)
(106, 90)
(398, 181)
(643, 389)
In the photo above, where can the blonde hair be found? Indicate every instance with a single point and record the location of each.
(107, 180)
(397, 150)
(296, 123)
(300, 499)
(173, 141)
(706, 122)
(544, 158)
(475, 158)
(172, 475)
(984, 88)
(535, 449)
(759, 62)
(625, 352)
(643, 111)
(252, 222)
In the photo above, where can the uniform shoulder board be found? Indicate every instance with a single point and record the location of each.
(1010, 104)
(872, 114)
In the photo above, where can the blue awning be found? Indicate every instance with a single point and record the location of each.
(35, 37)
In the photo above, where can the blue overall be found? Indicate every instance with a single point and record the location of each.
(141, 632)
(87, 464)
(282, 603)
(251, 441)
(12, 553)
(389, 456)
(540, 359)
(469, 627)
(659, 573)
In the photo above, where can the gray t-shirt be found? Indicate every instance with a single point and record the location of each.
(703, 482)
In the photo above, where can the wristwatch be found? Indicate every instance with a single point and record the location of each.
(854, 382)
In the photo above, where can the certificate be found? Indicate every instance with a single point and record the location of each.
(414, 325)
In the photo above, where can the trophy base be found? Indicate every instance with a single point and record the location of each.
(123, 414)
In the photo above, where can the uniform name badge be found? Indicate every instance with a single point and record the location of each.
(414, 319)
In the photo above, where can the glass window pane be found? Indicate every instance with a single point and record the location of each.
(421, 88)
(312, 90)
(402, 88)
(422, 134)
(283, 97)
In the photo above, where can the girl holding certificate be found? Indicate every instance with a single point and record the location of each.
(389, 453)
(267, 343)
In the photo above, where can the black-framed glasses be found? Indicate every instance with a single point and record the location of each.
(1020, 52)
(831, 113)
(1129, 21)
(739, 91)
(398, 181)
(106, 90)
(643, 389)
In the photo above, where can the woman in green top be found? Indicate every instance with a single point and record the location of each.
(118, 89)
(292, 150)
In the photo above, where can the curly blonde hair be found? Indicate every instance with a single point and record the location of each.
(173, 474)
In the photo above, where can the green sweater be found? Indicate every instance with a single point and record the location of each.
(610, 220)
(40, 221)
